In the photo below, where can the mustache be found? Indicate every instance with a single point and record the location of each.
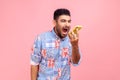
(67, 27)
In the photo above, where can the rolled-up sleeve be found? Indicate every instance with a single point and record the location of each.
(36, 54)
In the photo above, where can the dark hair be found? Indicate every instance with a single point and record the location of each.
(61, 11)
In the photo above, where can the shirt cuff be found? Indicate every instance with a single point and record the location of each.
(33, 63)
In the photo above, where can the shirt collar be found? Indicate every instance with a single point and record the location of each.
(56, 36)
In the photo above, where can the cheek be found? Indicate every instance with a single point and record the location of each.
(60, 26)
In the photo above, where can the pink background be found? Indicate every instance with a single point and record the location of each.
(22, 20)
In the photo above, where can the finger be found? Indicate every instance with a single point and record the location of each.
(75, 37)
(70, 35)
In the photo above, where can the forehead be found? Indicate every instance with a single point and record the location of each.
(66, 17)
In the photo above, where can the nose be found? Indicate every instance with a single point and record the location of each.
(67, 24)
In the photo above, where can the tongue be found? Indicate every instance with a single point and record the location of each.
(64, 31)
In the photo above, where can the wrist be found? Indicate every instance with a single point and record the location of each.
(75, 46)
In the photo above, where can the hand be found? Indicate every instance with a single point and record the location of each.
(74, 38)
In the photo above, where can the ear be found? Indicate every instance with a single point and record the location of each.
(54, 22)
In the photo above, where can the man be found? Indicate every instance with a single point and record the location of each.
(54, 51)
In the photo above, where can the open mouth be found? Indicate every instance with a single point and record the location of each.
(65, 30)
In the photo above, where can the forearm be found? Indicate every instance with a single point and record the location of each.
(34, 72)
(75, 54)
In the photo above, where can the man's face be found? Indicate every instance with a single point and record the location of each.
(62, 25)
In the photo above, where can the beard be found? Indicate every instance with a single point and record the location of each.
(59, 32)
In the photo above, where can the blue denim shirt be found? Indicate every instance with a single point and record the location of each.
(53, 55)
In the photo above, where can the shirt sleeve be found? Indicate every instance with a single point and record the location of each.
(36, 54)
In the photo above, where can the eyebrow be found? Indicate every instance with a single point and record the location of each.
(66, 20)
